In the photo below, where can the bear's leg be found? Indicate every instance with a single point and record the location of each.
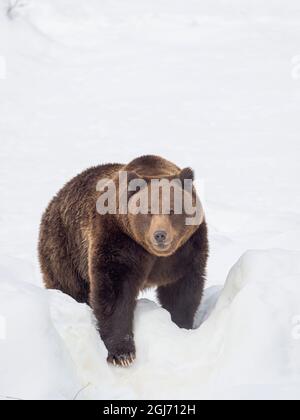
(182, 299)
(114, 290)
(62, 277)
(56, 265)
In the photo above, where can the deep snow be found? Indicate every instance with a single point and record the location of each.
(247, 348)
(211, 84)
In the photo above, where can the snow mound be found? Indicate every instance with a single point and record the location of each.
(246, 347)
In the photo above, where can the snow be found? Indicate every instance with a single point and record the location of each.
(245, 347)
(213, 85)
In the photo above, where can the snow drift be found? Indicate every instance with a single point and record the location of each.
(247, 347)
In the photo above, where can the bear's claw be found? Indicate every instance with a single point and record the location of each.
(124, 360)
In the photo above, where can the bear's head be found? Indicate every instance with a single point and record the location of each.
(164, 212)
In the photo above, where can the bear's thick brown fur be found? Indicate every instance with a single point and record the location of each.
(106, 260)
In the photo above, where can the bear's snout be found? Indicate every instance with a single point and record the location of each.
(160, 237)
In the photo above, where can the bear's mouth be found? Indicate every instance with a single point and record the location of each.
(161, 248)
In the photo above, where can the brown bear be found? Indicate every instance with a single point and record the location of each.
(105, 259)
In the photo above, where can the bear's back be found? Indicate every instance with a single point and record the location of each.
(76, 200)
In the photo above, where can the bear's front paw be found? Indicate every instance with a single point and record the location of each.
(121, 352)
(121, 359)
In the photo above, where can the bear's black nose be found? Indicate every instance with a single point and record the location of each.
(160, 236)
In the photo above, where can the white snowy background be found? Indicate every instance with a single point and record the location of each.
(212, 84)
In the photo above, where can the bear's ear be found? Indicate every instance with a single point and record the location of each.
(187, 173)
